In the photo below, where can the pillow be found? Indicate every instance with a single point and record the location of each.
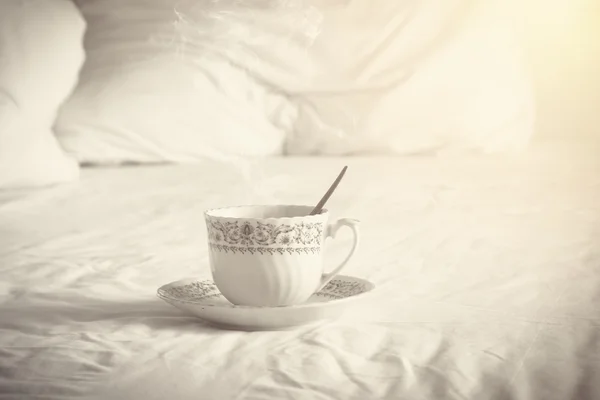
(158, 85)
(402, 77)
(40, 56)
(408, 77)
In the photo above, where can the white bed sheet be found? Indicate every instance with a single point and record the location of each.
(488, 275)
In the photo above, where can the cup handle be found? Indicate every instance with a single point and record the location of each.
(331, 232)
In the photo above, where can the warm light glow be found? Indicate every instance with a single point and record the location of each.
(562, 45)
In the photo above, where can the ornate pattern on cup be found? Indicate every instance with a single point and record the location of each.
(240, 236)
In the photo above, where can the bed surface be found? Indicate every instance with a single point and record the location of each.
(487, 272)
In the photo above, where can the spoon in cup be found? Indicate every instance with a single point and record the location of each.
(329, 192)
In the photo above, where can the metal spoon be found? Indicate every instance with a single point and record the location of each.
(329, 192)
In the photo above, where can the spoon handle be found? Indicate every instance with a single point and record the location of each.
(329, 192)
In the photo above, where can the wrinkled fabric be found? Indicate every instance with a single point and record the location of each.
(486, 271)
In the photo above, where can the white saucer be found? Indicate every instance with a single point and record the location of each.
(202, 299)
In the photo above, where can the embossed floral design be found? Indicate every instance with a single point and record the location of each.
(265, 250)
(262, 235)
(198, 290)
(285, 239)
(339, 289)
(243, 236)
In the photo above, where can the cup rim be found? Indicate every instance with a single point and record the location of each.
(210, 212)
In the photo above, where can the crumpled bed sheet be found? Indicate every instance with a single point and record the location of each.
(487, 272)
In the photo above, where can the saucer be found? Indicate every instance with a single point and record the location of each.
(202, 299)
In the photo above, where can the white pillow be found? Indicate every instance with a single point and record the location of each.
(40, 55)
(408, 77)
(158, 86)
(396, 77)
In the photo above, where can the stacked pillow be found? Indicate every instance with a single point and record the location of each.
(41, 53)
(162, 82)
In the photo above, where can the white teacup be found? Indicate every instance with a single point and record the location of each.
(271, 255)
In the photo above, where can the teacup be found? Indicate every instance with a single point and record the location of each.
(269, 256)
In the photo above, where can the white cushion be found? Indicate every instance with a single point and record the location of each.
(400, 77)
(155, 87)
(409, 77)
(40, 55)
